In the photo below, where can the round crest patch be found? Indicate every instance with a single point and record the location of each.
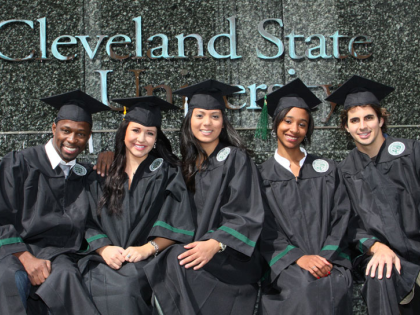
(79, 170)
(320, 166)
(223, 154)
(156, 164)
(396, 148)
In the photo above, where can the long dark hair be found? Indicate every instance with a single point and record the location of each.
(113, 187)
(311, 124)
(191, 149)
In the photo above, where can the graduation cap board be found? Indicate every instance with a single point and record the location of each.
(359, 91)
(293, 94)
(145, 110)
(207, 94)
(76, 106)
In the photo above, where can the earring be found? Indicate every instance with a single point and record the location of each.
(273, 134)
(305, 140)
(154, 146)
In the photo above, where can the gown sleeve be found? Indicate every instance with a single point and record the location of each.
(335, 248)
(12, 178)
(94, 236)
(242, 213)
(175, 220)
(276, 248)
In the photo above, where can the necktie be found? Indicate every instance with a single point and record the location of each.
(66, 169)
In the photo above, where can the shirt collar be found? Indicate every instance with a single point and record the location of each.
(285, 162)
(54, 158)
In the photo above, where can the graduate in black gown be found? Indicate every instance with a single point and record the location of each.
(304, 235)
(43, 210)
(138, 210)
(382, 175)
(219, 271)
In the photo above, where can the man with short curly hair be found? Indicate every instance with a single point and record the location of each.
(382, 176)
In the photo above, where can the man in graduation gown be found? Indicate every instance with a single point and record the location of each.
(382, 175)
(43, 210)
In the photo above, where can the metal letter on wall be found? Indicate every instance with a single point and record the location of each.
(104, 87)
(85, 44)
(31, 25)
(366, 40)
(270, 38)
(321, 47)
(111, 53)
(164, 47)
(57, 42)
(232, 41)
(292, 50)
(181, 48)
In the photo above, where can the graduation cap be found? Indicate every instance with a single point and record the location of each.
(207, 94)
(293, 94)
(145, 110)
(359, 91)
(75, 105)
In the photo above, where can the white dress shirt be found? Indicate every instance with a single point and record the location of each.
(55, 159)
(285, 162)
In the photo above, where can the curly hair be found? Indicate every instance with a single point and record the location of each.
(113, 187)
(380, 113)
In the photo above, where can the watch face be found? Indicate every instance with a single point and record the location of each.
(222, 247)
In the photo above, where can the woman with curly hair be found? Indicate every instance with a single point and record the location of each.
(137, 211)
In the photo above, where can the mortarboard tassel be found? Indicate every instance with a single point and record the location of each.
(262, 127)
(125, 112)
(91, 143)
(186, 106)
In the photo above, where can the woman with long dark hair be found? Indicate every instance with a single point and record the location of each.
(138, 210)
(304, 239)
(219, 271)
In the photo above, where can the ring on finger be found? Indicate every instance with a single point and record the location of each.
(314, 267)
(128, 256)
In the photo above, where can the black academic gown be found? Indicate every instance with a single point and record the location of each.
(305, 216)
(385, 195)
(227, 207)
(156, 205)
(45, 214)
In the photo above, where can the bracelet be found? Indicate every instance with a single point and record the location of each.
(155, 246)
(222, 247)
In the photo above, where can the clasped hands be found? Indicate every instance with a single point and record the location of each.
(115, 256)
(317, 266)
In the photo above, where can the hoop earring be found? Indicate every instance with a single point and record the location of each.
(273, 134)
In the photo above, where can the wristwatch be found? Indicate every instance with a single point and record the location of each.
(222, 247)
(155, 246)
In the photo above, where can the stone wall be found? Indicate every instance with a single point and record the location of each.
(25, 121)
(392, 26)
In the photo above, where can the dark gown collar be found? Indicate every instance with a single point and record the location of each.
(271, 170)
(37, 158)
(357, 161)
(142, 171)
(213, 161)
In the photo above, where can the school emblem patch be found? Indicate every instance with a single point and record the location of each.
(396, 148)
(79, 170)
(223, 154)
(320, 166)
(156, 164)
